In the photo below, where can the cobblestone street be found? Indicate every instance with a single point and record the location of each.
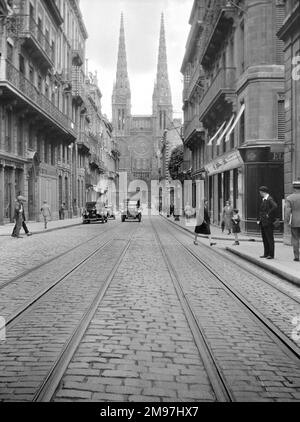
(136, 312)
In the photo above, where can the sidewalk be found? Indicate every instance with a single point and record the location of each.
(38, 227)
(250, 249)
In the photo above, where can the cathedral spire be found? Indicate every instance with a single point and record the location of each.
(162, 90)
(122, 85)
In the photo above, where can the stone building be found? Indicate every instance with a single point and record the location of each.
(290, 34)
(138, 137)
(234, 103)
(50, 109)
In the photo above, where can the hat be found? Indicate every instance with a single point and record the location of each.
(264, 189)
(296, 184)
(21, 198)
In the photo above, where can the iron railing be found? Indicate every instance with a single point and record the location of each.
(225, 80)
(28, 89)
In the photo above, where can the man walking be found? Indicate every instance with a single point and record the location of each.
(45, 210)
(23, 218)
(18, 217)
(292, 217)
(266, 220)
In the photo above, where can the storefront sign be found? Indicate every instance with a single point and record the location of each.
(227, 162)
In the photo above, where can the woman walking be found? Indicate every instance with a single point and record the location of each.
(203, 224)
(236, 226)
(227, 216)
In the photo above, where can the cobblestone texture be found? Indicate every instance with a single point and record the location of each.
(33, 344)
(247, 356)
(139, 346)
(17, 293)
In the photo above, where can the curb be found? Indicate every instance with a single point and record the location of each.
(214, 237)
(277, 271)
(48, 230)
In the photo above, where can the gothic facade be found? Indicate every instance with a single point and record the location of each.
(139, 136)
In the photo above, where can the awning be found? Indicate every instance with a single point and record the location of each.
(242, 109)
(216, 134)
(225, 131)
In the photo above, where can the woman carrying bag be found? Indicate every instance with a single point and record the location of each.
(203, 224)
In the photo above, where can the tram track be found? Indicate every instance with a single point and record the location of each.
(52, 377)
(245, 267)
(219, 384)
(214, 370)
(282, 338)
(31, 270)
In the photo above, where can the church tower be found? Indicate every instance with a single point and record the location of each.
(162, 98)
(121, 97)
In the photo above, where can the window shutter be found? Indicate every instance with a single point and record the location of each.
(281, 120)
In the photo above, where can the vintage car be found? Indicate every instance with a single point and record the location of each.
(131, 211)
(110, 212)
(93, 212)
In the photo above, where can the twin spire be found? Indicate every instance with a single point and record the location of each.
(162, 90)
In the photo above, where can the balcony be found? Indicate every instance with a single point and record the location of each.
(14, 85)
(195, 82)
(193, 130)
(35, 41)
(77, 53)
(96, 162)
(78, 85)
(223, 85)
(219, 23)
(83, 142)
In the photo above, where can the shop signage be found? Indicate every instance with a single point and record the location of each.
(227, 162)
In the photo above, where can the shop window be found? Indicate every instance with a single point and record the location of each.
(242, 129)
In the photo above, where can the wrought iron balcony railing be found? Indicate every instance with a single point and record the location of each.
(192, 126)
(224, 82)
(31, 31)
(39, 100)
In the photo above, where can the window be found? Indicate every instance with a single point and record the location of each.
(281, 120)
(8, 137)
(31, 74)
(20, 137)
(21, 64)
(242, 50)
(9, 52)
(40, 83)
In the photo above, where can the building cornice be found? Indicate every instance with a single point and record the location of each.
(291, 24)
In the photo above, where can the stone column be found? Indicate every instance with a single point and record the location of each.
(13, 193)
(2, 167)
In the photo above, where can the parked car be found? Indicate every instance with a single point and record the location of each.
(92, 212)
(110, 212)
(131, 211)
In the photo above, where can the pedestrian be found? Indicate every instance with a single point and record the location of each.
(203, 224)
(45, 210)
(18, 216)
(62, 211)
(267, 216)
(236, 225)
(292, 217)
(227, 216)
(23, 222)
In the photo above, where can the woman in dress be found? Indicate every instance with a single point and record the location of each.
(203, 224)
(227, 216)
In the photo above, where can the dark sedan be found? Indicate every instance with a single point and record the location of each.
(90, 213)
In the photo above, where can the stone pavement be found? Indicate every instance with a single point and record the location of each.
(251, 248)
(38, 227)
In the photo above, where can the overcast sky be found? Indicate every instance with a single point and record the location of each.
(142, 26)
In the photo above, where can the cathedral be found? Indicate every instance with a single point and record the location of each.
(139, 137)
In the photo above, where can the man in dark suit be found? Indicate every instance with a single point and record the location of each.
(267, 216)
(19, 207)
(292, 217)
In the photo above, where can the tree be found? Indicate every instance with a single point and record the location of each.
(175, 162)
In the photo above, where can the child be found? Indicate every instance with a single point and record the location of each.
(236, 226)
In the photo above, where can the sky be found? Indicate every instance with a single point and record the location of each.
(142, 27)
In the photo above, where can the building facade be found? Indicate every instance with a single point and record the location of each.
(139, 137)
(234, 103)
(45, 100)
(290, 34)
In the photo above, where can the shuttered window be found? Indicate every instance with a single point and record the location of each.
(280, 15)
